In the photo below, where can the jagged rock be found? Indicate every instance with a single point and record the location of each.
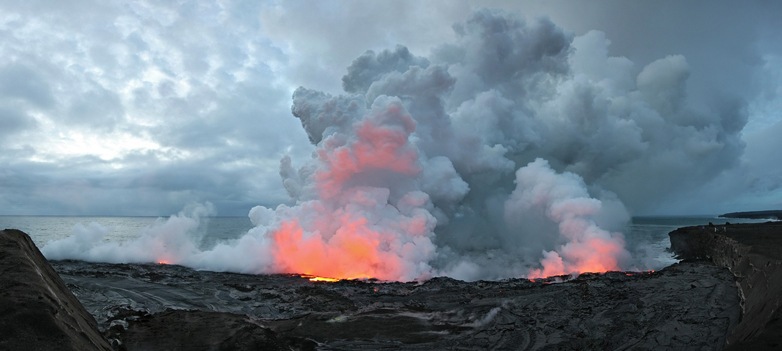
(37, 311)
(753, 253)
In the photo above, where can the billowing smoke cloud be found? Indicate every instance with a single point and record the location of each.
(563, 199)
(509, 152)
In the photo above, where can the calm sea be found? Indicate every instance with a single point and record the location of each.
(646, 237)
(43, 229)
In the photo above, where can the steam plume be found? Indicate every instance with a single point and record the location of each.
(413, 173)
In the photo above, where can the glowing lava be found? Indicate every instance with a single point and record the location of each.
(314, 278)
(365, 217)
(351, 253)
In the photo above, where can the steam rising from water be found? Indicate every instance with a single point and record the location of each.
(503, 154)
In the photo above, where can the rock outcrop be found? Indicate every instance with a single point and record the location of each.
(753, 253)
(37, 310)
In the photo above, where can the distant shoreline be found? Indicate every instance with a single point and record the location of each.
(769, 214)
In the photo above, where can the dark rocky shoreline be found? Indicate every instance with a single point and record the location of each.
(766, 215)
(753, 254)
(725, 292)
(594, 311)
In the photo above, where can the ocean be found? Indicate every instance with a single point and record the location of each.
(646, 238)
(43, 229)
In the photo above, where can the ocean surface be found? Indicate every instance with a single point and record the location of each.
(43, 229)
(646, 238)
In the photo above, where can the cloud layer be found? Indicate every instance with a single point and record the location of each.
(137, 109)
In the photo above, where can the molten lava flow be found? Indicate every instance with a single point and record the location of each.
(163, 261)
(314, 278)
(324, 279)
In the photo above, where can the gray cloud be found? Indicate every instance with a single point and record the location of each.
(368, 67)
(114, 106)
(19, 81)
(13, 121)
(123, 91)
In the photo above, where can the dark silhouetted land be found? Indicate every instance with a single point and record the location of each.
(770, 214)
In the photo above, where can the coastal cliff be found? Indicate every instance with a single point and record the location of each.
(753, 253)
(38, 311)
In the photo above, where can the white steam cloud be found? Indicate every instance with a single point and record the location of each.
(413, 173)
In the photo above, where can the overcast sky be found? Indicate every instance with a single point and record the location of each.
(139, 108)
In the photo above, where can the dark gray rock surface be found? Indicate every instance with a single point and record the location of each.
(685, 306)
(37, 311)
(199, 330)
(753, 253)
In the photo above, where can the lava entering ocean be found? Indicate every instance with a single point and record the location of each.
(504, 153)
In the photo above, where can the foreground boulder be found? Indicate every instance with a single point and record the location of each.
(37, 311)
(753, 253)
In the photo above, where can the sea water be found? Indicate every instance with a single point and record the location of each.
(43, 229)
(646, 238)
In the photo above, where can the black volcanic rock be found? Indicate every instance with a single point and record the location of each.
(691, 305)
(753, 253)
(174, 330)
(37, 310)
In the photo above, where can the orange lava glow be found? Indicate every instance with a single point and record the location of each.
(351, 253)
(313, 278)
(593, 255)
(378, 146)
(163, 261)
